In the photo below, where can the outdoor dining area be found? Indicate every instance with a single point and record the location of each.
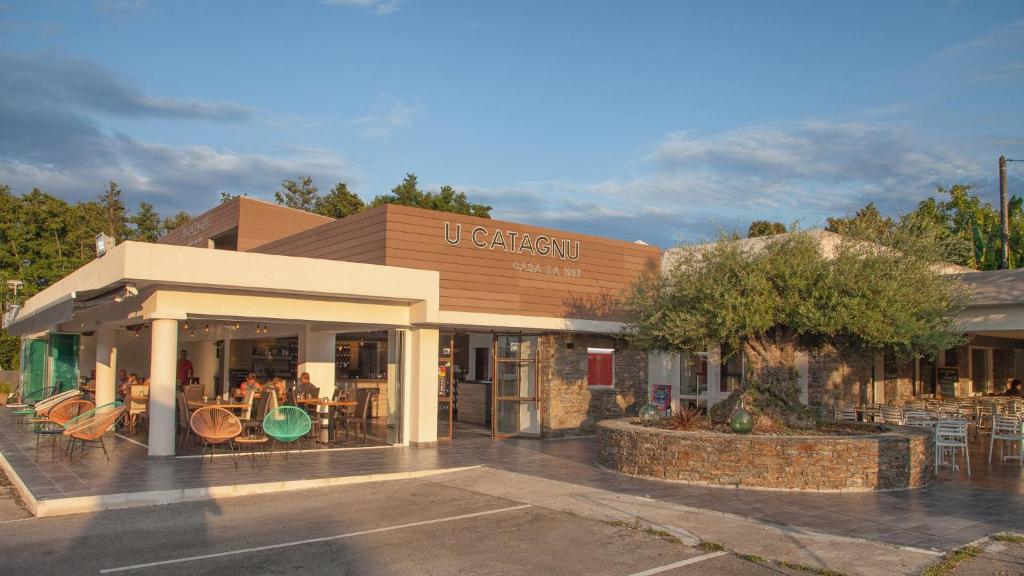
(255, 422)
(260, 419)
(992, 423)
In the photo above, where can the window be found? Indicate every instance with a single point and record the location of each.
(926, 371)
(731, 371)
(600, 367)
(694, 376)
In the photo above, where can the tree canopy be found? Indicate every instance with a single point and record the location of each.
(339, 202)
(783, 293)
(765, 228)
(446, 199)
(43, 238)
(302, 194)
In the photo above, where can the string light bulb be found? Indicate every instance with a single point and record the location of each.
(206, 329)
(185, 325)
(192, 334)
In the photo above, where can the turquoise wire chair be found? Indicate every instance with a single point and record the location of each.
(287, 424)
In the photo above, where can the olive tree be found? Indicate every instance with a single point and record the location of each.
(768, 297)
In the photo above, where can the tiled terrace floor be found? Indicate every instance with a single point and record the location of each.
(950, 512)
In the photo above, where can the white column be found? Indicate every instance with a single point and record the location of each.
(316, 356)
(204, 360)
(106, 364)
(422, 383)
(162, 372)
(225, 374)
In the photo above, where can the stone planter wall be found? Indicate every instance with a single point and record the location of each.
(900, 458)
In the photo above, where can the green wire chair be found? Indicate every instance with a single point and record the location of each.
(287, 424)
(27, 407)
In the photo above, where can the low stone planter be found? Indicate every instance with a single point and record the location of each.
(899, 458)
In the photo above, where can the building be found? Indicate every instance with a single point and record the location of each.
(506, 327)
(991, 357)
(456, 321)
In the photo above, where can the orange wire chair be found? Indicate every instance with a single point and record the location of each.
(216, 426)
(90, 428)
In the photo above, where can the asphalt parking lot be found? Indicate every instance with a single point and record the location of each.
(408, 527)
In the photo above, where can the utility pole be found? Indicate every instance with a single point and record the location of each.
(1004, 213)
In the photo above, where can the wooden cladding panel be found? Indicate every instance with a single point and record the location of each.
(495, 281)
(257, 223)
(211, 223)
(263, 222)
(357, 238)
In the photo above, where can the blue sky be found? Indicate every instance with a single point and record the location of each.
(661, 121)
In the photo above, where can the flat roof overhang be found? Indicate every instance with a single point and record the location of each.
(174, 281)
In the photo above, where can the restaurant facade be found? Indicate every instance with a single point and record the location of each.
(459, 324)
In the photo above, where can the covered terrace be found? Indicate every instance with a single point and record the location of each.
(139, 305)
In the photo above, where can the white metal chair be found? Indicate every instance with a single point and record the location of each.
(892, 415)
(983, 418)
(846, 414)
(917, 419)
(1007, 429)
(951, 437)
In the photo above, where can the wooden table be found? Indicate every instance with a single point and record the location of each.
(332, 405)
(251, 444)
(196, 404)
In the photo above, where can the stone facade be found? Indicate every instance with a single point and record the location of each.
(833, 378)
(898, 459)
(572, 408)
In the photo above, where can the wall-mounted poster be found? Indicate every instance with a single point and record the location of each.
(661, 396)
(948, 379)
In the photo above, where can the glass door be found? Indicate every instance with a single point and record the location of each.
(516, 408)
(33, 366)
(63, 373)
(445, 385)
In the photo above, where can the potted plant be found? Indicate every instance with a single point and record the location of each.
(5, 392)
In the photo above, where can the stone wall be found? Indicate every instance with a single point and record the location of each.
(569, 406)
(900, 458)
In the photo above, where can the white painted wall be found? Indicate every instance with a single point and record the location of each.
(316, 356)
(422, 386)
(205, 363)
(664, 369)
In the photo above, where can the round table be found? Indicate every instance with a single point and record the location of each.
(250, 444)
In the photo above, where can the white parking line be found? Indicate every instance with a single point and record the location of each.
(310, 541)
(686, 562)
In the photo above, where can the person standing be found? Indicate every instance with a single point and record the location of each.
(185, 370)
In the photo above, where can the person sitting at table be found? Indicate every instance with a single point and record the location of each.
(1015, 389)
(250, 382)
(278, 384)
(305, 388)
(122, 383)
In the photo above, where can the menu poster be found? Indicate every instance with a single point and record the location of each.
(948, 379)
(661, 396)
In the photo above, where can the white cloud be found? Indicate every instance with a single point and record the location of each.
(695, 186)
(379, 7)
(53, 138)
(387, 117)
(1007, 34)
